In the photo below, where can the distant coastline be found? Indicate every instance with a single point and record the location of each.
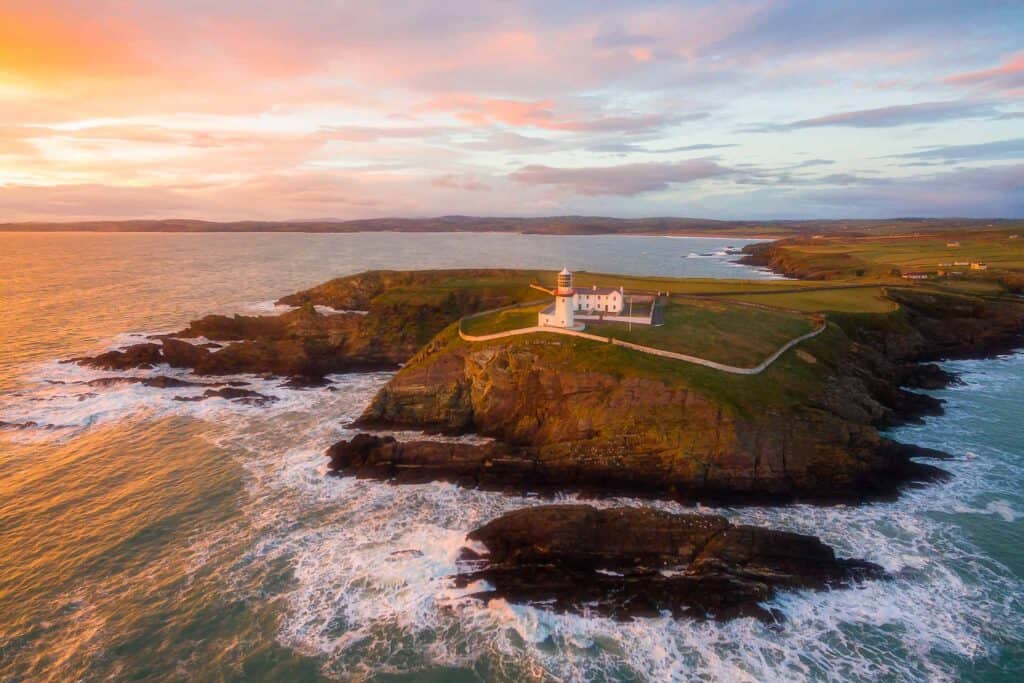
(553, 225)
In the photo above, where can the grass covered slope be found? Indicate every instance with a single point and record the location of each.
(722, 331)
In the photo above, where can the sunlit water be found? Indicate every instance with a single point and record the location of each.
(149, 539)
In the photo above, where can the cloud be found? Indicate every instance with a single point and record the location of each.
(629, 148)
(377, 133)
(897, 115)
(453, 181)
(984, 192)
(290, 109)
(988, 151)
(508, 141)
(624, 180)
(793, 28)
(305, 194)
(807, 163)
(1008, 75)
(482, 111)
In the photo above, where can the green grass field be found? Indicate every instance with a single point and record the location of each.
(583, 279)
(877, 256)
(716, 330)
(788, 381)
(847, 300)
(502, 321)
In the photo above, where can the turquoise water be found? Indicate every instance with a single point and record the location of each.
(143, 538)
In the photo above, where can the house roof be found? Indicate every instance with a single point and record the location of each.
(597, 290)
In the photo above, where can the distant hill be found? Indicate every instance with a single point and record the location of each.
(553, 225)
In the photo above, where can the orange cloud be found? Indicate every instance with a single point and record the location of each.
(38, 49)
(482, 111)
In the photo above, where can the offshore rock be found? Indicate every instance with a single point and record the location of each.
(245, 396)
(626, 562)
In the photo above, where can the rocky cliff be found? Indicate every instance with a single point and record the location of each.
(571, 413)
(380, 319)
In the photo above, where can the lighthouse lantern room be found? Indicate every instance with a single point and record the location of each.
(560, 314)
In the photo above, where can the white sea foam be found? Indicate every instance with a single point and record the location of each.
(373, 575)
(59, 402)
(273, 308)
(373, 588)
(270, 307)
(371, 562)
(327, 310)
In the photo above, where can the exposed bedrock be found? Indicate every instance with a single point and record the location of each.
(394, 320)
(625, 562)
(301, 344)
(574, 426)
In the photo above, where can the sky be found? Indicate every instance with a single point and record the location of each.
(284, 110)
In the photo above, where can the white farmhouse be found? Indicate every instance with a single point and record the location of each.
(599, 300)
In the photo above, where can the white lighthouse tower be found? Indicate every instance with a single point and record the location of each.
(563, 299)
(560, 313)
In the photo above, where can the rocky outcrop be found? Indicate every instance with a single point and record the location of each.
(301, 344)
(626, 562)
(522, 469)
(158, 382)
(586, 427)
(245, 396)
(135, 356)
(398, 312)
(361, 291)
(789, 262)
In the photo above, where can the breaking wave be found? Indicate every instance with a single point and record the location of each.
(369, 563)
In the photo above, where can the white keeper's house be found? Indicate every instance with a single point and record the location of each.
(599, 299)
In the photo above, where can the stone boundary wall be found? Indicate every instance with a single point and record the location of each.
(638, 320)
(757, 369)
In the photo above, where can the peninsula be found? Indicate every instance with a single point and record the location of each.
(745, 390)
(686, 389)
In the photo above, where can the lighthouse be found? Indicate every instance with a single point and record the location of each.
(560, 313)
(563, 316)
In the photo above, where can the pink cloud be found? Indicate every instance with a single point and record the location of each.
(623, 180)
(482, 111)
(1007, 75)
(454, 181)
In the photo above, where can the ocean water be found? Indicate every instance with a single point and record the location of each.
(143, 538)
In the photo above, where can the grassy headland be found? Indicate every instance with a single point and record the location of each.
(984, 261)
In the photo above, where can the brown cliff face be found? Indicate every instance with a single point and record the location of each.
(578, 427)
(593, 430)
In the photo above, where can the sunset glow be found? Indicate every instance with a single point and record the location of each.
(273, 110)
